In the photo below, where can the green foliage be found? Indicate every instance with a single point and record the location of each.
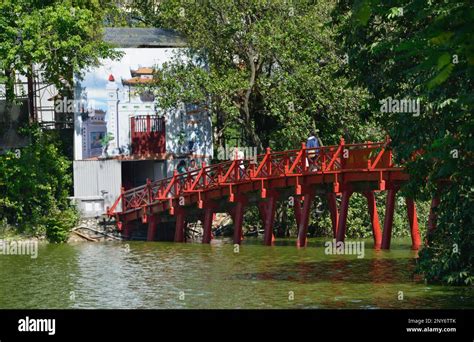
(423, 51)
(448, 257)
(34, 187)
(269, 70)
(59, 223)
(106, 139)
(59, 37)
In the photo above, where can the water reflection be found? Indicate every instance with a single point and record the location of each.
(168, 275)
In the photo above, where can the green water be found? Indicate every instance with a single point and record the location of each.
(168, 275)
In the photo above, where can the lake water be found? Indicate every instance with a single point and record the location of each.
(133, 275)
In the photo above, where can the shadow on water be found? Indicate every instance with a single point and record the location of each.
(356, 271)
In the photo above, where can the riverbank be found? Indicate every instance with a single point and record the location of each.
(10, 233)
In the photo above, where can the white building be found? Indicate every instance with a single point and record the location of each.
(147, 141)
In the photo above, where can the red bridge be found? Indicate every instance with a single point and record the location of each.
(328, 171)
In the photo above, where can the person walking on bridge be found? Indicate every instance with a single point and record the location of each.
(239, 156)
(312, 143)
(181, 167)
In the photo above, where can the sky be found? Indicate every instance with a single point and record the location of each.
(95, 79)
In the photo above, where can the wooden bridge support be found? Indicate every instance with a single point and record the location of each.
(413, 220)
(269, 219)
(152, 225)
(180, 225)
(297, 209)
(207, 223)
(331, 197)
(374, 219)
(342, 223)
(304, 219)
(388, 222)
(238, 217)
(127, 230)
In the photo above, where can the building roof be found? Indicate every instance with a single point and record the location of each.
(137, 80)
(142, 71)
(128, 37)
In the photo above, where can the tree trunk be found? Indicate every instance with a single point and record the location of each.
(249, 127)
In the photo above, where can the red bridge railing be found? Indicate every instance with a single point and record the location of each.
(327, 159)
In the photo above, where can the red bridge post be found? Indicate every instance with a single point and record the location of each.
(180, 225)
(127, 230)
(331, 197)
(269, 218)
(374, 219)
(413, 219)
(152, 223)
(238, 218)
(388, 222)
(341, 227)
(207, 222)
(297, 209)
(304, 219)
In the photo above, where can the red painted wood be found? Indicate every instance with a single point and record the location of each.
(297, 209)
(413, 220)
(270, 206)
(152, 226)
(127, 230)
(207, 224)
(148, 135)
(180, 225)
(374, 219)
(341, 228)
(238, 220)
(304, 220)
(332, 203)
(388, 222)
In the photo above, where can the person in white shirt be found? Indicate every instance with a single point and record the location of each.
(239, 155)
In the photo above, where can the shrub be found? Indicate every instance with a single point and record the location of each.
(34, 185)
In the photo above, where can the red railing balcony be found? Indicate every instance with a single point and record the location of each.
(148, 135)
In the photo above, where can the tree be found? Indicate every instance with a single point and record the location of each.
(269, 70)
(423, 51)
(59, 37)
(34, 184)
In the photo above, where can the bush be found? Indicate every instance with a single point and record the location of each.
(59, 224)
(34, 186)
(448, 257)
